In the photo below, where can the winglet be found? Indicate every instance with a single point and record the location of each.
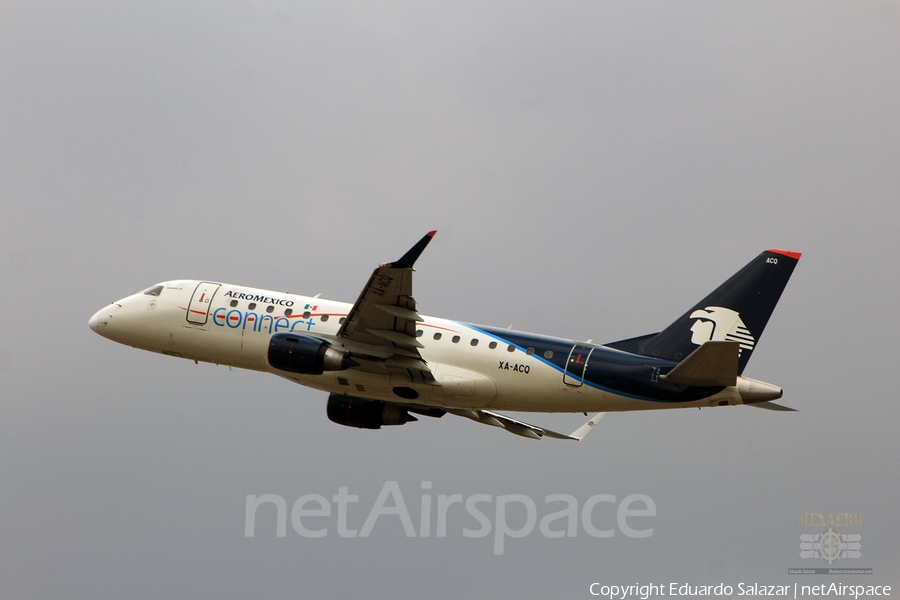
(580, 433)
(585, 429)
(409, 259)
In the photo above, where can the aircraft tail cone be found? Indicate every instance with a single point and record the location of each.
(753, 391)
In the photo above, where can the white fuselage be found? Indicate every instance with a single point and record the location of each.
(232, 325)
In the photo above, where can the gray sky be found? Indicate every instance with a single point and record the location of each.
(593, 169)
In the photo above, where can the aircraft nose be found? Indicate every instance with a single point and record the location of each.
(94, 322)
(124, 321)
(100, 320)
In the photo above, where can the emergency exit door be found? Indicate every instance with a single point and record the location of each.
(576, 365)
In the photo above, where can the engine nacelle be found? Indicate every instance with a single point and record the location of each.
(364, 413)
(305, 354)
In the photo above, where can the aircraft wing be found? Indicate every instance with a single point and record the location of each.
(522, 428)
(381, 326)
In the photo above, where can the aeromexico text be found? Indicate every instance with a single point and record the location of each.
(258, 298)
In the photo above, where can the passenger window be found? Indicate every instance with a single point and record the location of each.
(474, 341)
(233, 303)
(341, 320)
(154, 291)
(419, 333)
(252, 306)
(492, 345)
(270, 309)
(510, 348)
(455, 339)
(306, 314)
(437, 335)
(530, 351)
(548, 354)
(288, 312)
(324, 318)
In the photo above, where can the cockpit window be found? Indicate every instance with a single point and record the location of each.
(154, 291)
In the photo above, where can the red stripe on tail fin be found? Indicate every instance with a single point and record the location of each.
(788, 253)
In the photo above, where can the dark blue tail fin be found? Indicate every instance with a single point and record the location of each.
(737, 310)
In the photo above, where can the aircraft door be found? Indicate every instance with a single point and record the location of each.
(198, 309)
(576, 365)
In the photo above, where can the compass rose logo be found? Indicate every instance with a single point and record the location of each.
(830, 545)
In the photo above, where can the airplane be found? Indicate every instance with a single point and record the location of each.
(382, 362)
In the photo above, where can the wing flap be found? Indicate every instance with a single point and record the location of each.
(398, 337)
(399, 311)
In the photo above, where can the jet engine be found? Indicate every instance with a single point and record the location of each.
(364, 413)
(306, 354)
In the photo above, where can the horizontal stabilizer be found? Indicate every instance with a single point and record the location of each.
(713, 364)
(773, 406)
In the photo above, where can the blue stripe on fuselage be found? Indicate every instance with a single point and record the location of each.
(608, 370)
